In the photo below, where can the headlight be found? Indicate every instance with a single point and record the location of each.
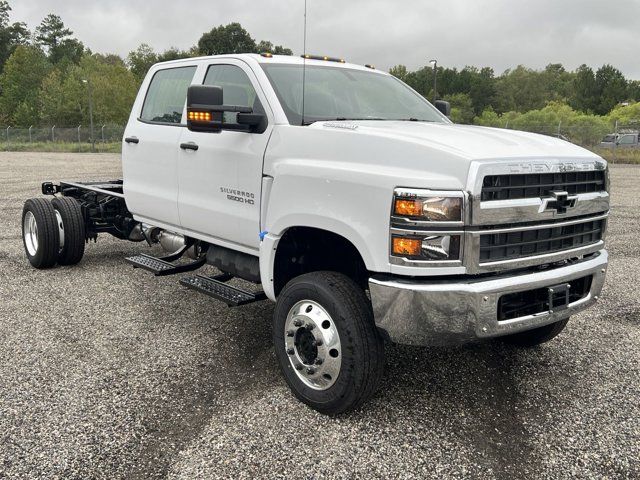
(430, 248)
(427, 206)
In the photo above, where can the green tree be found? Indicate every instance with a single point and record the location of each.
(20, 84)
(267, 46)
(461, 107)
(55, 38)
(585, 91)
(11, 34)
(489, 118)
(399, 71)
(611, 87)
(231, 38)
(141, 60)
(519, 90)
(65, 97)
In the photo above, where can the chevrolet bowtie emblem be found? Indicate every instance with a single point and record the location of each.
(559, 202)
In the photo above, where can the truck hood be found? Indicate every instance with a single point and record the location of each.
(465, 141)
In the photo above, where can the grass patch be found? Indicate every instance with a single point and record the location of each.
(622, 155)
(62, 147)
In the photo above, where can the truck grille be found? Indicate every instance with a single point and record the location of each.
(531, 302)
(526, 243)
(534, 185)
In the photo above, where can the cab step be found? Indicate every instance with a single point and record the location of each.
(216, 288)
(160, 267)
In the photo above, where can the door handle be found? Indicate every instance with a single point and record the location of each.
(134, 140)
(189, 146)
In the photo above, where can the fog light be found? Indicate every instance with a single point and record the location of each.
(433, 248)
(407, 246)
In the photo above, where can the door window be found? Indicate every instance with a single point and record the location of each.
(627, 140)
(237, 89)
(167, 95)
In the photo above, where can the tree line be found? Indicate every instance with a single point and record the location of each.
(46, 76)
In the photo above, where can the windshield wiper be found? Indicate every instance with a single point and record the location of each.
(347, 119)
(412, 119)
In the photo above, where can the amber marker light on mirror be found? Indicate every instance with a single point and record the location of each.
(199, 116)
(407, 246)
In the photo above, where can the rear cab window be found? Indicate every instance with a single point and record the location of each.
(167, 95)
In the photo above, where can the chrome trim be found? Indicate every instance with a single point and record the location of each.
(533, 209)
(528, 209)
(443, 312)
(403, 222)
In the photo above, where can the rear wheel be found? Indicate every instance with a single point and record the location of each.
(326, 342)
(537, 336)
(71, 226)
(40, 233)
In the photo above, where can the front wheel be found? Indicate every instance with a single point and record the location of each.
(326, 342)
(532, 338)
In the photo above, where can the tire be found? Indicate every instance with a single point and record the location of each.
(537, 336)
(72, 250)
(40, 235)
(332, 311)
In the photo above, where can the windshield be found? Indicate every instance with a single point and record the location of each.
(346, 94)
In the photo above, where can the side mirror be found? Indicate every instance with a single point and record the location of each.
(443, 107)
(205, 112)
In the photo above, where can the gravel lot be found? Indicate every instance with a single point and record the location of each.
(108, 372)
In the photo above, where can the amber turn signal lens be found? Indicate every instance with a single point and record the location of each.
(408, 208)
(199, 116)
(407, 246)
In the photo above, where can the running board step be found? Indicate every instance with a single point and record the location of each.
(160, 267)
(212, 286)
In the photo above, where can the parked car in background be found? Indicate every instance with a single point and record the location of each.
(621, 140)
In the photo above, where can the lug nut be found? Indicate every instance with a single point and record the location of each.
(290, 351)
(298, 367)
(311, 326)
(319, 361)
(311, 371)
(317, 343)
(291, 333)
(298, 323)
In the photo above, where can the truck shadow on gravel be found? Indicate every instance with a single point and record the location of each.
(473, 393)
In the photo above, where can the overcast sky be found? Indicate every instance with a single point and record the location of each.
(496, 33)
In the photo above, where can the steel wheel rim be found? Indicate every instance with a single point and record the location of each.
(312, 343)
(30, 229)
(60, 229)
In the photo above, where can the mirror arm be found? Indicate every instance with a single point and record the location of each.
(222, 108)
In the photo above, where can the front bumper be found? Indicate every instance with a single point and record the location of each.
(444, 312)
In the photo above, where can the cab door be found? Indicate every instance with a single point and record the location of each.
(149, 152)
(220, 174)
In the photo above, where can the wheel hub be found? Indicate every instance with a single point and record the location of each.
(313, 345)
(30, 228)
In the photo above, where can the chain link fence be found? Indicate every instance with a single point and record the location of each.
(80, 138)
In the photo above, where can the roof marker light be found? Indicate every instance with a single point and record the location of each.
(324, 58)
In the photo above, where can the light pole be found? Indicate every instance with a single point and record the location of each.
(435, 79)
(93, 140)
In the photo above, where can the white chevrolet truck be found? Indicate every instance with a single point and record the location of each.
(350, 201)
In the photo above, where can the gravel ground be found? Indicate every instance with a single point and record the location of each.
(108, 372)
